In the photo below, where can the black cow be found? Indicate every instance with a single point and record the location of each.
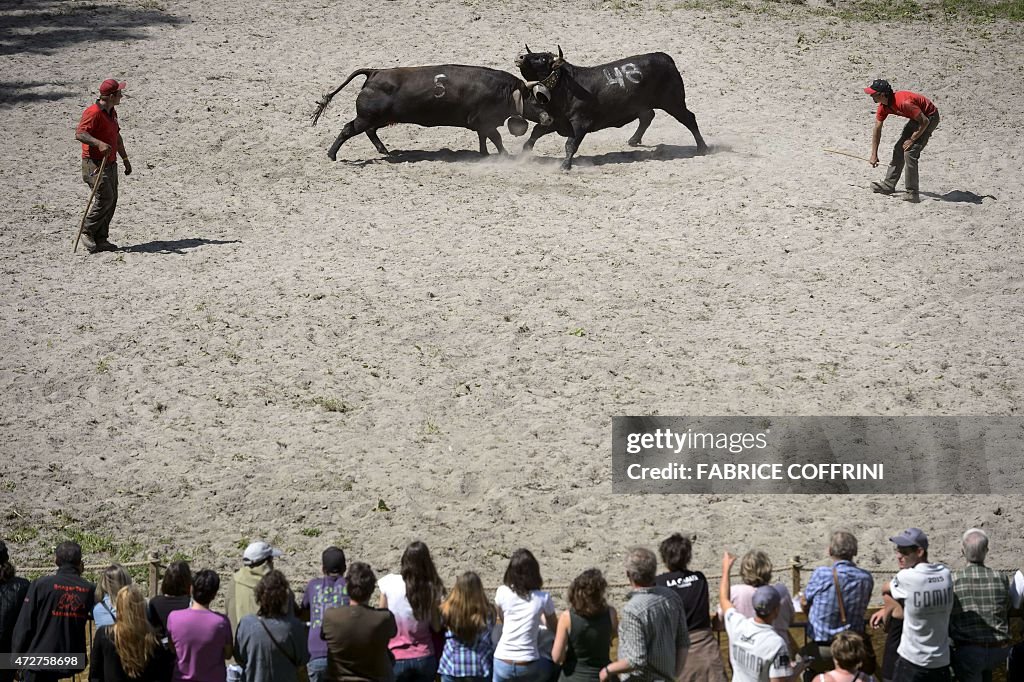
(471, 97)
(584, 99)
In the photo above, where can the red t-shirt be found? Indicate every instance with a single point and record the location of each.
(907, 104)
(103, 127)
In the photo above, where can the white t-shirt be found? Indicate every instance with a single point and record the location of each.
(413, 639)
(1017, 590)
(927, 591)
(756, 651)
(521, 622)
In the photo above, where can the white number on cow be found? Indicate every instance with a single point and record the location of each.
(619, 76)
(439, 80)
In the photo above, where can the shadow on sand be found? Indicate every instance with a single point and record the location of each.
(49, 25)
(14, 93)
(959, 196)
(178, 246)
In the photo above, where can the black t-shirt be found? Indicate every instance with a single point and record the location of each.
(692, 586)
(105, 664)
(160, 606)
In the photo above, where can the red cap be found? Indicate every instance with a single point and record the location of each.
(110, 86)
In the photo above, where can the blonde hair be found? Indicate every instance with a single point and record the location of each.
(756, 568)
(466, 611)
(133, 636)
(113, 578)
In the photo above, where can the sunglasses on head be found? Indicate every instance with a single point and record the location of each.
(907, 550)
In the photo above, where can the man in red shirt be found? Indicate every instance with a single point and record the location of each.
(100, 135)
(924, 117)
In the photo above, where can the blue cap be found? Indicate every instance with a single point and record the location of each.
(766, 599)
(911, 537)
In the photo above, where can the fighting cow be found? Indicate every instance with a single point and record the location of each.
(473, 97)
(585, 99)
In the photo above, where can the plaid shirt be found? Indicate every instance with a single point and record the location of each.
(981, 603)
(652, 627)
(823, 621)
(459, 660)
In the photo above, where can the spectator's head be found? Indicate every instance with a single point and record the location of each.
(466, 611)
(6, 567)
(975, 543)
(911, 547)
(756, 568)
(848, 651)
(112, 579)
(333, 561)
(676, 551)
(69, 553)
(177, 580)
(272, 595)
(843, 545)
(259, 553)
(586, 593)
(523, 573)
(205, 585)
(766, 602)
(641, 566)
(132, 634)
(423, 586)
(360, 582)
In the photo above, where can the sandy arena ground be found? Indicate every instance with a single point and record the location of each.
(287, 346)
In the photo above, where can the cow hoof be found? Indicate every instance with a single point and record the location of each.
(566, 167)
(633, 143)
(701, 151)
(332, 156)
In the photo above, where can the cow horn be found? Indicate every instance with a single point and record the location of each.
(560, 57)
(559, 61)
(528, 49)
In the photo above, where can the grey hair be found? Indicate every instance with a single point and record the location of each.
(843, 545)
(641, 566)
(975, 543)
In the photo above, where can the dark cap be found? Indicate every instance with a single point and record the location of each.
(334, 560)
(4, 556)
(911, 537)
(879, 87)
(766, 599)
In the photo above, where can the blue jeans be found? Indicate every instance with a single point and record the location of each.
(317, 669)
(415, 669)
(531, 672)
(451, 678)
(975, 663)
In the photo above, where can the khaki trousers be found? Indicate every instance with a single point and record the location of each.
(97, 222)
(910, 157)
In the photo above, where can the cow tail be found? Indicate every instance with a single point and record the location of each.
(321, 105)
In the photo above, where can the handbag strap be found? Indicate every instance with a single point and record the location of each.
(291, 659)
(839, 595)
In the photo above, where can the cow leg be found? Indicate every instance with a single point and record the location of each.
(645, 122)
(686, 117)
(539, 131)
(372, 134)
(351, 129)
(483, 143)
(495, 137)
(572, 144)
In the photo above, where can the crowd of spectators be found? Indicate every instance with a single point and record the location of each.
(941, 624)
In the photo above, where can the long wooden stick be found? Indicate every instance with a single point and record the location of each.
(95, 186)
(852, 156)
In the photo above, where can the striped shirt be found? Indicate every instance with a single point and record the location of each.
(981, 604)
(652, 628)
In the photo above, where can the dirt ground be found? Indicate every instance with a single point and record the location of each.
(433, 345)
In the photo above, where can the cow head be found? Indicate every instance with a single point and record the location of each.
(541, 69)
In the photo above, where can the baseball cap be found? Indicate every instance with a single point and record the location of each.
(4, 556)
(110, 86)
(334, 560)
(911, 537)
(766, 599)
(878, 86)
(258, 552)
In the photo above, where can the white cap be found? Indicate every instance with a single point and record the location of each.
(258, 552)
